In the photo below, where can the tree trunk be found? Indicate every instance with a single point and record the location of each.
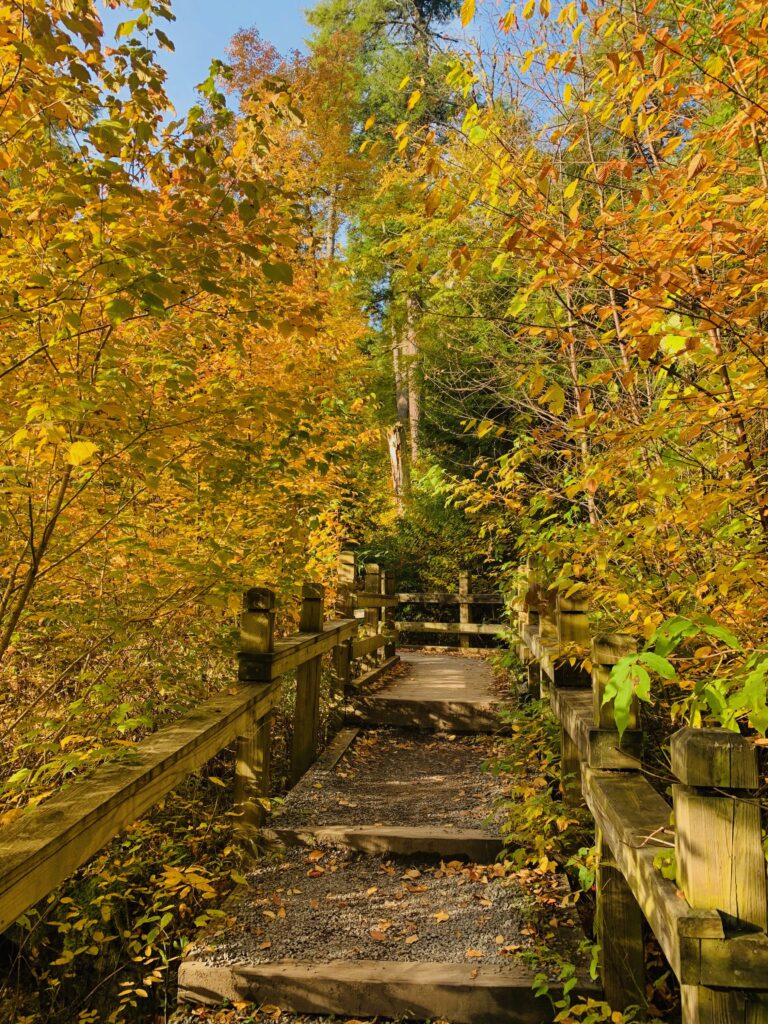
(410, 365)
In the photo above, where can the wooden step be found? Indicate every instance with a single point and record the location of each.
(437, 715)
(474, 844)
(462, 993)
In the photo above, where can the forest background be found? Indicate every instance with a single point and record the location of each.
(463, 284)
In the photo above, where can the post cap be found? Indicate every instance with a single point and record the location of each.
(713, 758)
(312, 592)
(258, 599)
(610, 648)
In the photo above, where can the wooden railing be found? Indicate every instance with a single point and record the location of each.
(48, 843)
(466, 600)
(711, 922)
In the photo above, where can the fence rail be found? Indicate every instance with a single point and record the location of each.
(711, 921)
(48, 843)
(466, 600)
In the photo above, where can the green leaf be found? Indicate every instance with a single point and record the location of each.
(668, 636)
(477, 134)
(277, 273)
(118, 310)
(658, 664)
(711, 628)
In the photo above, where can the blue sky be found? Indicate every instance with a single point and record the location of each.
(204, 27)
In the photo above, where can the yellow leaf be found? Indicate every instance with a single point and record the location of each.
(467, 12)
(370, 122)
(414, 98)
(403, 83)
(567, 93)
(529, 8)
(570, 188)
(80, 452)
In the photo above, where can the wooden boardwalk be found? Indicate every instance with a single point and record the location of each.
(386, 899)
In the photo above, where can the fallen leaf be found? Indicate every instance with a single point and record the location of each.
(410, 939)
(372, 890)
(440, 916)
(412, 873)
(473, 954)
(378, 935)
(265, 945)
(315, 856)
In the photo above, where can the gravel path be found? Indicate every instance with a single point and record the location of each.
(396, 777)
(326, 905)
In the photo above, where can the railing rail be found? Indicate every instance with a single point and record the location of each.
(466, 599)
(711, 921)
(49, 842)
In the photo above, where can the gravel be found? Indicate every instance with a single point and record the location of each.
(396, 777)
(325, 905)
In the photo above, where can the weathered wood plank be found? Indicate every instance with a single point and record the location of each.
(474, 844)
(461, 993)
(306, 718)
(293, 651)
(477, 628)
(619, 926)
(634, 821)
(440, 715)
(46, 845)
(367, 645)
(360, 682)
(375, 601)
(436, 597)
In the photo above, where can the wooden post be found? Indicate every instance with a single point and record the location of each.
(572, 623)
(619, 925)
(373, 586)
(522, 618)
(570, 771)
(606, 651)
(465, 609)
(252, 764)
(532, 594)
(345, 604)
(342, 667)
(390, 614)
(619, 922)
(718, 849)
(307, 717)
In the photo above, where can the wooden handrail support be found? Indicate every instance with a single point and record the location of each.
(45, 845)
(716, 938)
(49, 842)
(466, 599)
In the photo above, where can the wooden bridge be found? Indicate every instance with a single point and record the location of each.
(388, 899)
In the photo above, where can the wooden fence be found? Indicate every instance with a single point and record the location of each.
(711, 923)
(48, 843)
(465, 629)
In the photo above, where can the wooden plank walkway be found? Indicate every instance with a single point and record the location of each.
(385, 898)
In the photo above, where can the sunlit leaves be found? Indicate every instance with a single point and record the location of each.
(81, 452)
